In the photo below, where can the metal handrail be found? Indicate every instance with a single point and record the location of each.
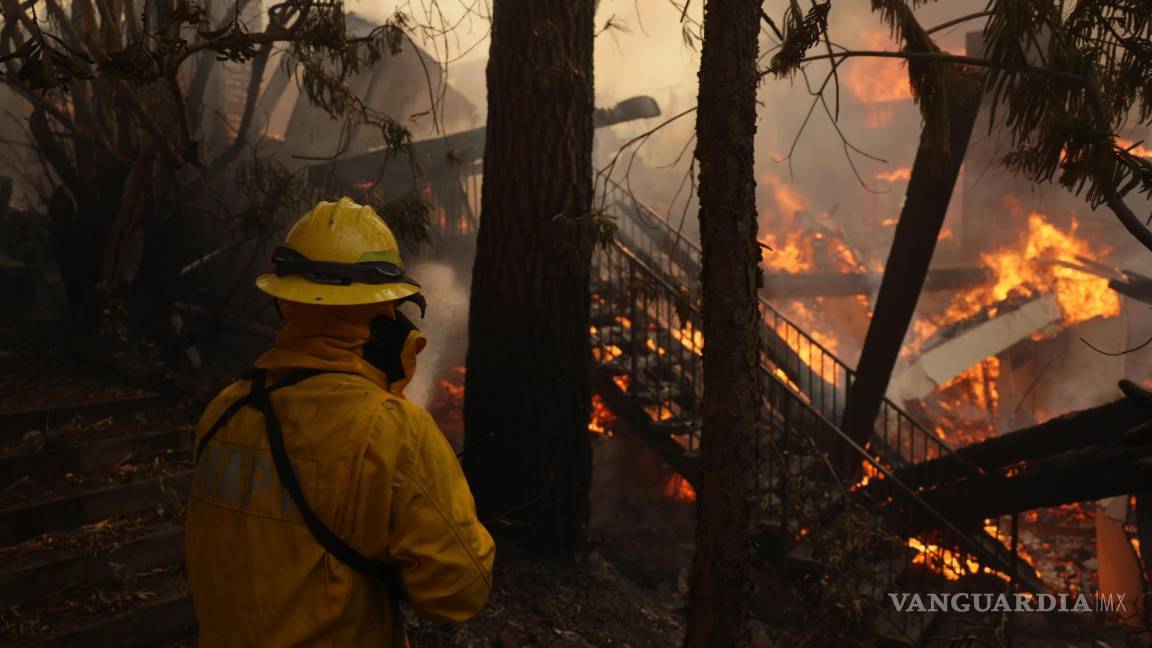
(660, 282)
(657, 222)
(899, 439)
(943, 544)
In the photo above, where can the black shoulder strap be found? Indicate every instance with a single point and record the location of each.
(292, 379)
(258, 398)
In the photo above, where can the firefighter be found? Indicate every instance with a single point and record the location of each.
(321, 495)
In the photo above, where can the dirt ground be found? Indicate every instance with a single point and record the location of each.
(578, 606)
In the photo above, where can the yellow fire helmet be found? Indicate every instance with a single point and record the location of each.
(340, 254)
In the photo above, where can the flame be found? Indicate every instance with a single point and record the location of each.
(447, 403)
(690, 337)
(1026, 268)
(789, 254)
(981, 380)
(1134, 148)
(678, 488)
(652, 346)
(877, 80)
(942, 561)
(1081, 296)
(870, 473)
(786, 199)
(779, 373)
(967, 404)
(660, 412)
(1003, 534)
(622, 381)
(450, 388)
(602, 419)
(807, 320)
(901, 174)
(607, 354)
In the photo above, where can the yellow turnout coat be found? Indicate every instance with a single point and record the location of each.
(372, 465)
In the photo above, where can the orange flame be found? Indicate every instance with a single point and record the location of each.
(942, 561)
(786, 199)
(602, 419)
(1028, 268)
(678, 488)
(901, 174)
(877, 81)
(1139, 150)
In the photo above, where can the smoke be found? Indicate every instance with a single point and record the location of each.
(445, 326)
(842, 169)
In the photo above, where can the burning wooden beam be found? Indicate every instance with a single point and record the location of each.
(1093, 454)
(1096, 472)
(1103, 424)
(970, 342)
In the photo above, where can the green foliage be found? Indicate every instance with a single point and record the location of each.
(1063, 125)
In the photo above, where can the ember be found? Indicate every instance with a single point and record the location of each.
(942, 561)
(678, 488)
(602, 419)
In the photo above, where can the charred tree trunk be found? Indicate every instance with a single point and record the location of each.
(730, 278)
(925, 205)
(527, 404)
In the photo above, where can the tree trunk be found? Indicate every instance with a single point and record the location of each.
(925, 206)
(527, 404)
(730, 278)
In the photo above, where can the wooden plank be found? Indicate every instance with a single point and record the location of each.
(27, 521)
(147, 625)
(91, 457)
(57, 572)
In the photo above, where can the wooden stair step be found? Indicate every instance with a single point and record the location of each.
(25, 521)
(15, 423)
(61, 570)
(89, 457)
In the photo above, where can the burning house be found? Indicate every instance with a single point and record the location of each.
(1001, 458)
